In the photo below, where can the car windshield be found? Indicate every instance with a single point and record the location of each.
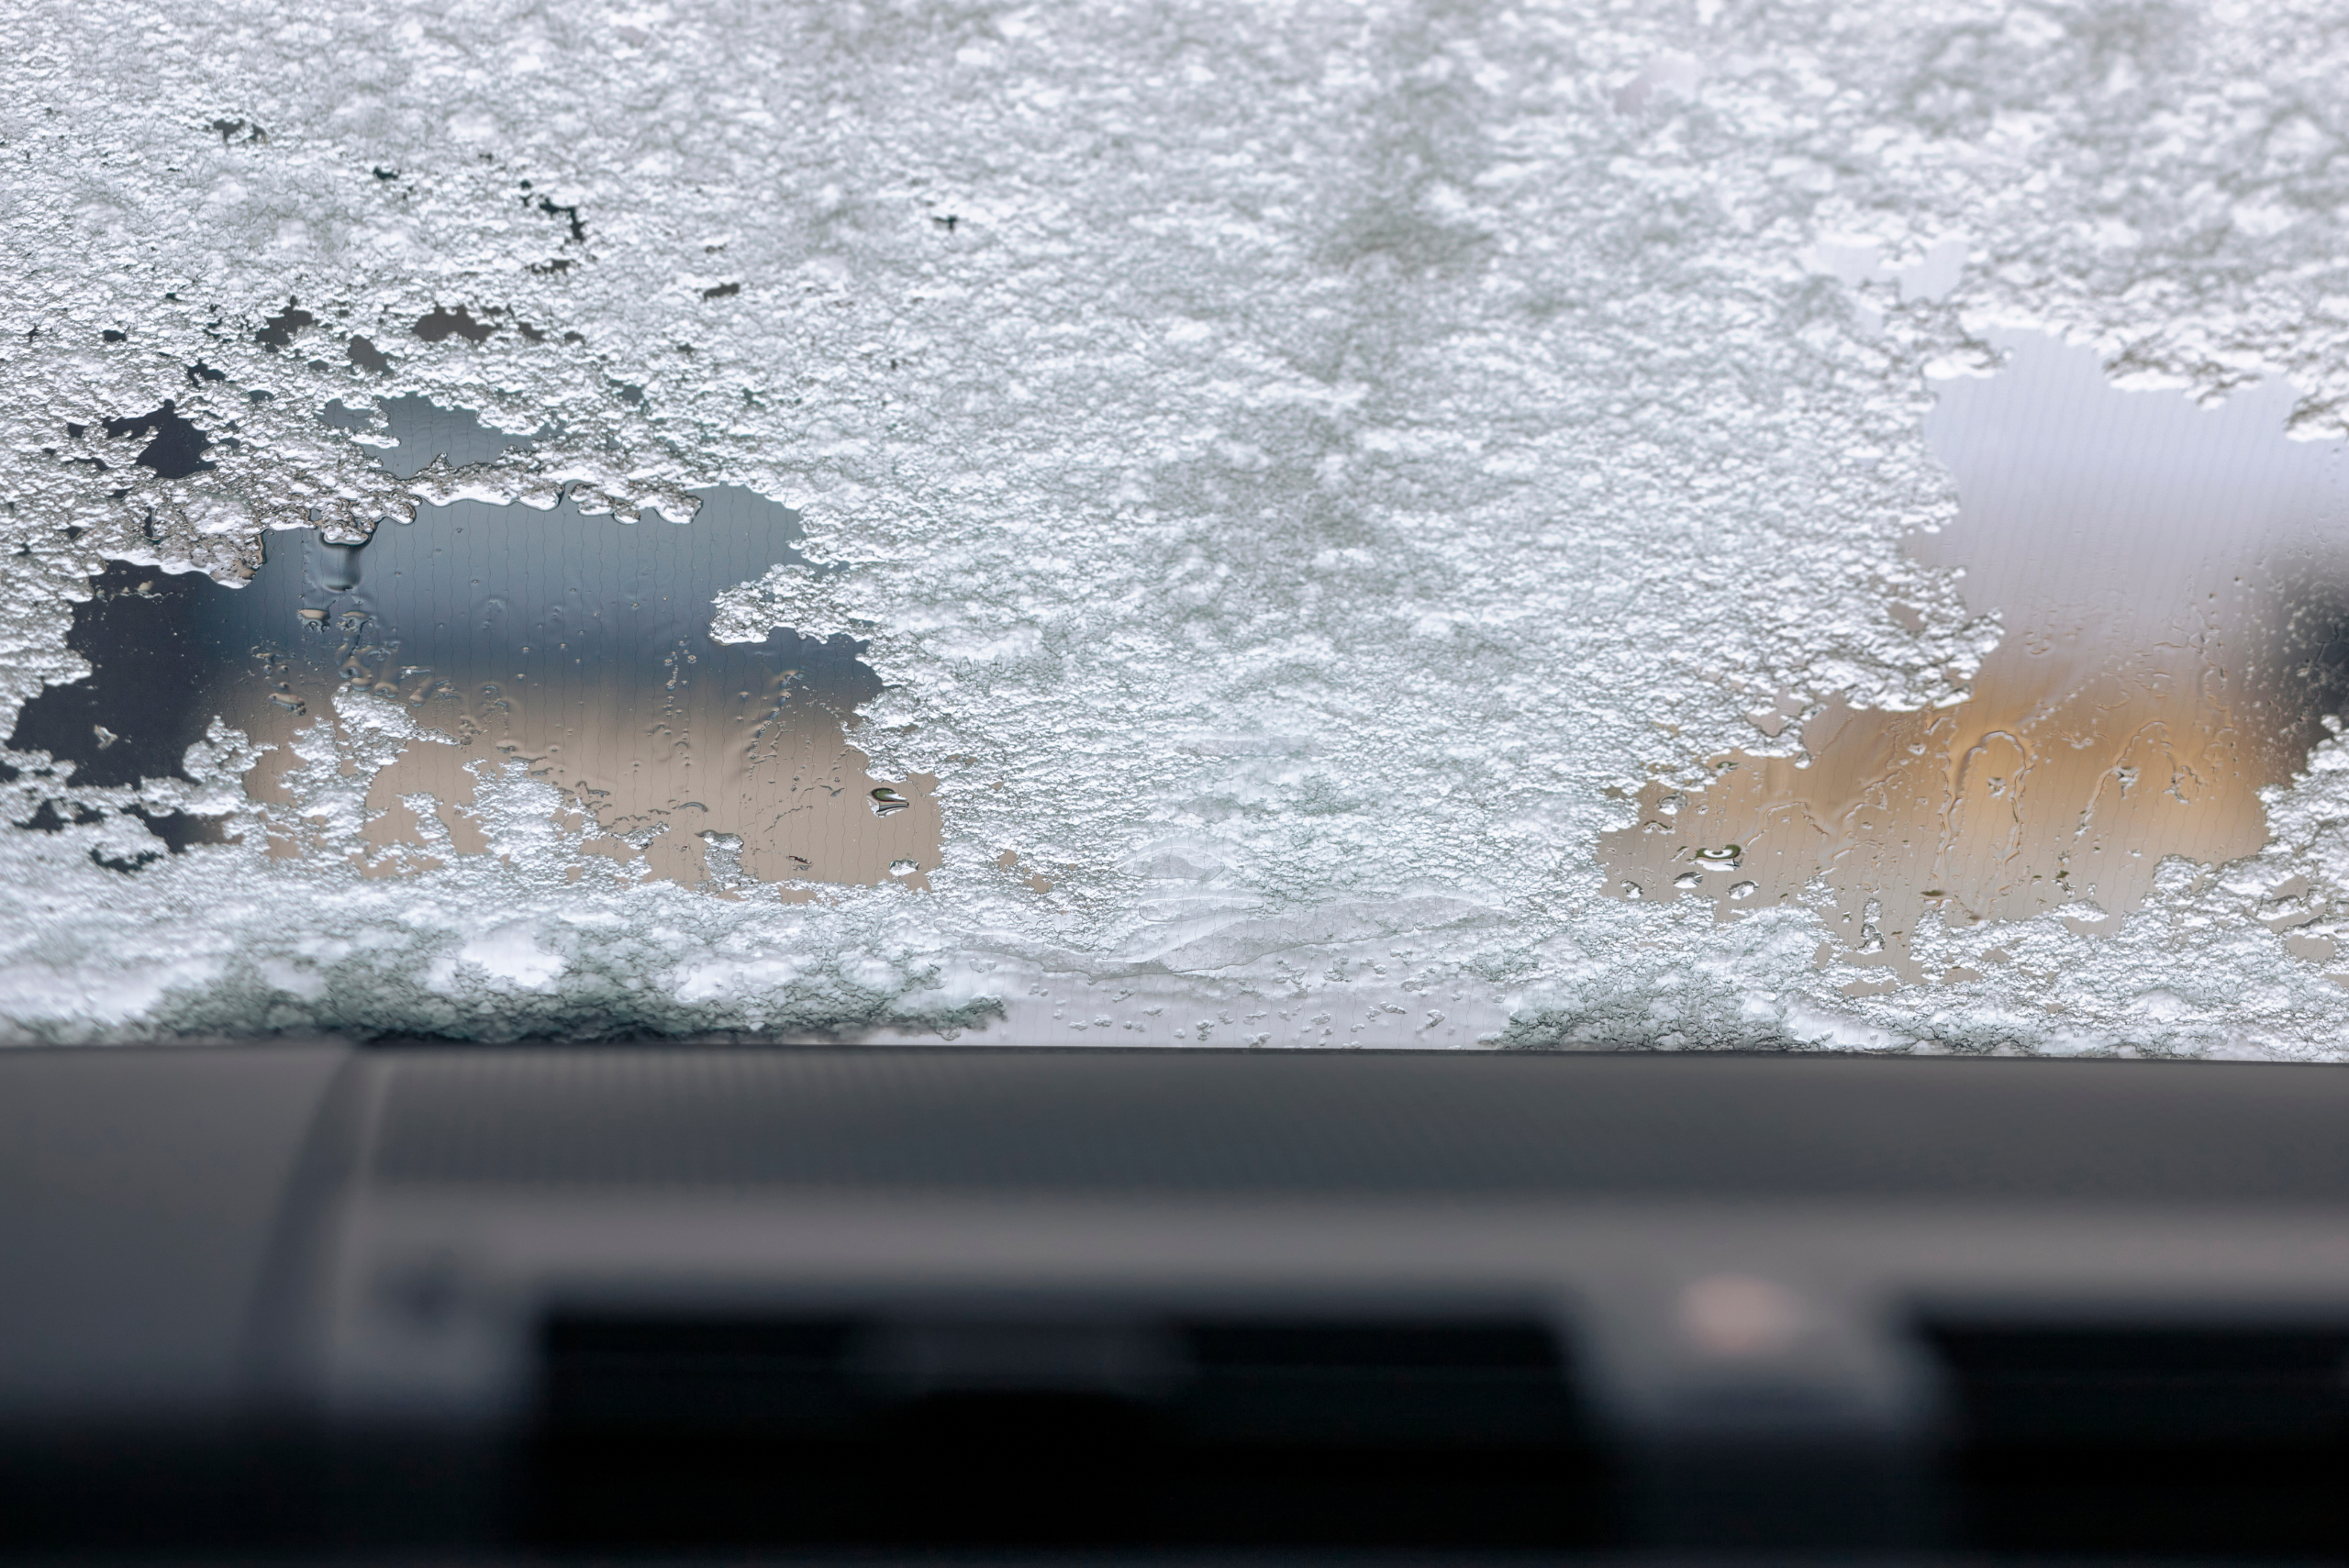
(1712, 525)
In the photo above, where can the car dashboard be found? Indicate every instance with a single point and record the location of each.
(321, 1299)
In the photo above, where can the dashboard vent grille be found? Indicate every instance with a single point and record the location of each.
(2221, 1437)
(684, 1431)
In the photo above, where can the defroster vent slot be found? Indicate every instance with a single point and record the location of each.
(2227, 1439)
(680, 1430)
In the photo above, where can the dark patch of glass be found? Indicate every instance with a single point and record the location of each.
(176, 448)
(366, 356)
(278, 331)
(438, 324)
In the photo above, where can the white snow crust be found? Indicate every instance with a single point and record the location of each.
(1289, 463)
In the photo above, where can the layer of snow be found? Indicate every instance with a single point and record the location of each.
(1298, 468)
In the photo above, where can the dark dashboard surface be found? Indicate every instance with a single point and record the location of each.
(312, 1298)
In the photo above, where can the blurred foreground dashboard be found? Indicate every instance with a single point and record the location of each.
(317, 1301)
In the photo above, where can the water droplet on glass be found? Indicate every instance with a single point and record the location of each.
(1742, 890)
(312, 615)
(1726, 855)
(886, 800)
(1687, 879)
(337, 567)
(288, 701)
(902, 868)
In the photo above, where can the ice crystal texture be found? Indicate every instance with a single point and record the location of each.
(1302, 475)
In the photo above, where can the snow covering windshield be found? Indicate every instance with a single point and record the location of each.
(1686, 526)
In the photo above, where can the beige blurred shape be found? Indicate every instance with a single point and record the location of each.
(1741, 1317)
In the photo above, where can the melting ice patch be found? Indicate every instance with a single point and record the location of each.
(476, 637)
(2173, 585)
(1301, 478)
